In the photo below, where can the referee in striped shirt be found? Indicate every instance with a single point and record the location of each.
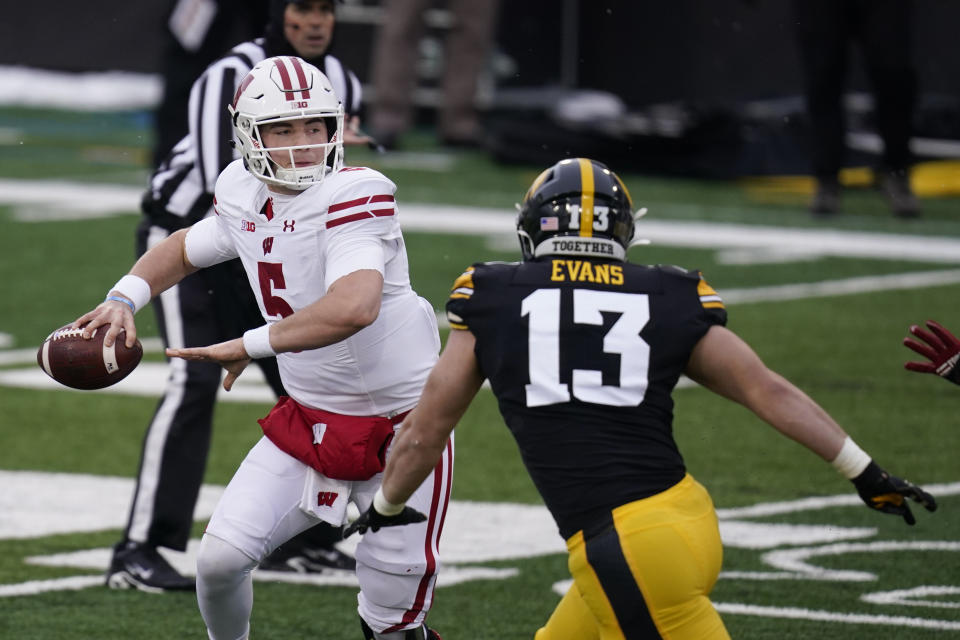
(212, 305)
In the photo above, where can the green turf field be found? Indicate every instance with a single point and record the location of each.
(803, 558)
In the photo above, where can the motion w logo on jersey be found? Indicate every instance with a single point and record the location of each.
(326, 498)
(267, 245)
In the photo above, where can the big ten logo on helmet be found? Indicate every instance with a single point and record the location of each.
(300, 105)
(601, 216)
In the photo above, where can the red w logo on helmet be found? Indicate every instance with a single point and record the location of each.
(286, 78)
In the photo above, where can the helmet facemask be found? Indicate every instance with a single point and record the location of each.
(284, 89)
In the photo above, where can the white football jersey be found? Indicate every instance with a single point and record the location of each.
(293, 248)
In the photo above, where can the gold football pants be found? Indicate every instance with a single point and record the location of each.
(646, 574)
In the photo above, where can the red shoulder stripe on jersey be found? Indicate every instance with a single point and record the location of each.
(345, 219)
(340, 206)
(353, 217)
(353, 169)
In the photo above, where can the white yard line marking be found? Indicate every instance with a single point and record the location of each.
(764, 509)
(34, 587)
(479, 532)
(796, 613)
(451, 575)
(148, 378)
(73, 200)
(795, 559)
(58, 199)
(915, 597)
(91, 91)
(842, 287)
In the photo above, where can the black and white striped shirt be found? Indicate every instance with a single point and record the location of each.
(181, 188)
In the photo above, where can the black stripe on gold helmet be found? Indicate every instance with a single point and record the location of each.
(576, 207)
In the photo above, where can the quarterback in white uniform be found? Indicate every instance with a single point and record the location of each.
(323, 251)
(294, 248)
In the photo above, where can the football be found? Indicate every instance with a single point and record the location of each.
(75, 362)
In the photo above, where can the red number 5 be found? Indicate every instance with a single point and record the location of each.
(271, 278)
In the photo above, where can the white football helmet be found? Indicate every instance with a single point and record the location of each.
(286, 88)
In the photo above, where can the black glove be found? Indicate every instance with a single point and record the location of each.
(886, 493)
(373, 520)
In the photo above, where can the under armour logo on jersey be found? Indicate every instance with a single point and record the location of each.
(288, 225)
(267, 245)
(293, 79)
(326, 498)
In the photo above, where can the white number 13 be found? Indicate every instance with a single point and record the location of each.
(543, 308)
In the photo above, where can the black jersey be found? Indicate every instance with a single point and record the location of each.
(583, 355)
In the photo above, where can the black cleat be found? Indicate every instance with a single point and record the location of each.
(826, 201)
(423, 632)
(140, 566)
(895, 187)
(308, 560)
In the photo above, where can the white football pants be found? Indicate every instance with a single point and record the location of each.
(260, 510)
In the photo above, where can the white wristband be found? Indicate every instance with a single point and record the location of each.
(852, 460)
(257, 342)
(383, 507)
(135, 289)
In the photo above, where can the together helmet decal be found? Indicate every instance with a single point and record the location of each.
(576, 207)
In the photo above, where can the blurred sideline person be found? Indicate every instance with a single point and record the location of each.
(323, 252)
(582, 350)
(394, 69)
(937, 345)
(196, 33)
(208, 306)
(883, 29)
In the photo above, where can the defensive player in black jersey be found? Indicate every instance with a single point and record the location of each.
(582, 350)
